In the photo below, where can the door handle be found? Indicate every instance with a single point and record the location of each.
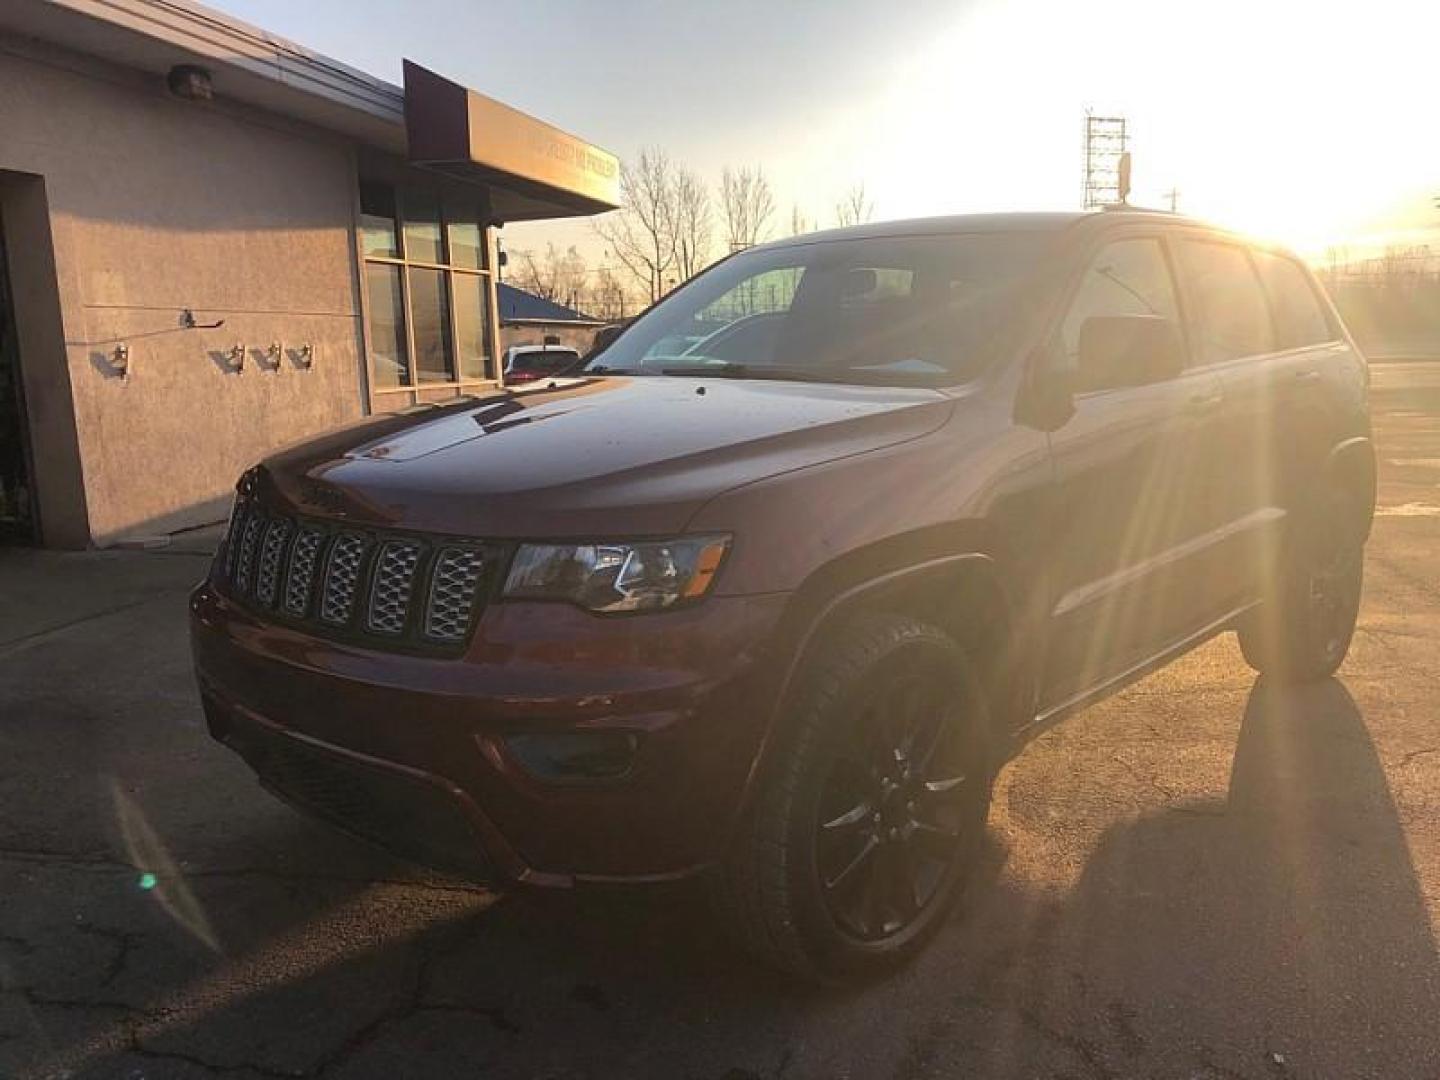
(1308, 376)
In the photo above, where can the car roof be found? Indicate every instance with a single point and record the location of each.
(1038, 221)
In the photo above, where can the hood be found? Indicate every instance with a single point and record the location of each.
(590, 457)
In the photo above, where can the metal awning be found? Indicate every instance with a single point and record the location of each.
(533, 170)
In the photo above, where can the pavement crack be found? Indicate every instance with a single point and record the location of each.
(215, 1068)
(405, 1006)
(1123, 1023)
(66, 858)
(123, 942)
(108, 865)
(495, 1014)
(20, 945)
(35, 997)
(15, 644)
(1413, 754)
(1145, 778)
(1090, 1055)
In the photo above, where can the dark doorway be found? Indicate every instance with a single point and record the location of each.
(17, 519)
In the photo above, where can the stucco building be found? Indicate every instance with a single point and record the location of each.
(215, 241)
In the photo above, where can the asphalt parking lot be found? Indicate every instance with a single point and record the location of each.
(1202, 877)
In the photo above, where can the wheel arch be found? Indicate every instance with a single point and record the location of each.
(962, 594)
(1350, 467)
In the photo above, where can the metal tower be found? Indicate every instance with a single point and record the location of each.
(1105, 143)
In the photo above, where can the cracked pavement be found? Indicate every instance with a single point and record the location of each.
(1201, 877)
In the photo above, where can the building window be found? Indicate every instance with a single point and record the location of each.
(427, 289)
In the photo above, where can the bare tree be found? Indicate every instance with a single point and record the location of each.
(642, 234)
(694, 223)
(608, 298)
(527, 272)
(799, 223)
(854, 208)
(556, 275)
(747, 203)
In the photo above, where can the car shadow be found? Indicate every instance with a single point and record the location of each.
(1275, 930)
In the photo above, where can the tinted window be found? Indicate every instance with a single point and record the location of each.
(895, 310)
(1233, 318)
(544, 363)
(430, 326)
(387, 325)
(1299, 318)
(422, 226)
(377, 220)
(1130, 277)
(472, 324)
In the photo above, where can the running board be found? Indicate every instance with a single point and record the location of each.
(1133, 674)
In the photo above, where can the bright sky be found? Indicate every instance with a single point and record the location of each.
(1311, 122)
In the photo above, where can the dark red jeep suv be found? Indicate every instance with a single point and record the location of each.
(767, 590)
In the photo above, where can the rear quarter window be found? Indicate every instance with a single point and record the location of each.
(1300, 318)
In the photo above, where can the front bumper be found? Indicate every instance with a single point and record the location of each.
(416, 754)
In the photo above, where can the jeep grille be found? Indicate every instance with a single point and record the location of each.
(380, 586)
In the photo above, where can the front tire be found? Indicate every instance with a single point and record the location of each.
(871, 808)
(1302, 630)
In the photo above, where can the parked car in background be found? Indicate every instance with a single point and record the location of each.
(768, 593)
(605, 335)
(527, 363)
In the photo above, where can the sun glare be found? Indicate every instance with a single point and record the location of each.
(1225, 113)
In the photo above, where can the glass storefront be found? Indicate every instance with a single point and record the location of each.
(427, 287)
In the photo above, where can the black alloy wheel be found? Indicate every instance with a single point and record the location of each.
(1333, 594)
(897, 804)
(870, 808)
(1302, 629)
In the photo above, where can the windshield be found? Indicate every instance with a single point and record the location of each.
(895, 310)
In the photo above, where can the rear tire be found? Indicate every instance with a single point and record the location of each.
(870, 810)
(1302, 630)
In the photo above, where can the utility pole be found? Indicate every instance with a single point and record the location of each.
(1174, 196)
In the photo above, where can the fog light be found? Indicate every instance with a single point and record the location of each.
(575, 755)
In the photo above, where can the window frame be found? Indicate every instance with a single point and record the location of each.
(1310, 286)
(1196, 315)
(417, 391)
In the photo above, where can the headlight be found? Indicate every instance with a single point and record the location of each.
(617, 577)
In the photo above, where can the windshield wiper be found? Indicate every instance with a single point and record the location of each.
(734, 370)
(601, 369)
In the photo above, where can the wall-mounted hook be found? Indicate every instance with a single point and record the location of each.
(237, 357)
(273, 355)
(120, 359)
(307, 356)
(187, 320)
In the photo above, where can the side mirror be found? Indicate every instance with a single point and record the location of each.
(1128, 350)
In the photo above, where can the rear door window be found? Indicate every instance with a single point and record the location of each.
(1299, 318)
(1232, 314)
